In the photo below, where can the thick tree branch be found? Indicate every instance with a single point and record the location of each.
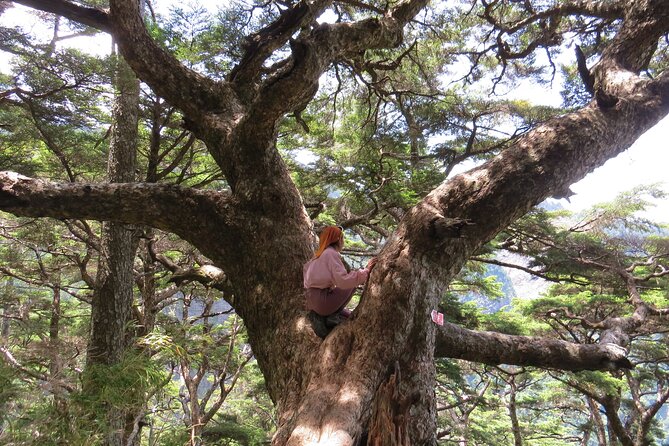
(260, 45)
(93, 17)
(193, 93)
(190, 213)
(645, 23)
(325, 44)
(551, 157)
(458, 342)
(606, 10)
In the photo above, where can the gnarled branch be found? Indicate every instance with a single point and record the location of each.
(488, 347)
(190, 213)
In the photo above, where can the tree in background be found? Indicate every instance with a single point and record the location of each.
(111, 306)
(610, 265)
(55, 266)
(257, 229)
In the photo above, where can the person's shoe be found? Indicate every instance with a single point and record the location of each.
(334, 319)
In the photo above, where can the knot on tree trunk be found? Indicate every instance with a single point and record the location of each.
(605, 100)
(444, 227)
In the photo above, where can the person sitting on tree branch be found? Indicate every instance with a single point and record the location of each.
(328, 286)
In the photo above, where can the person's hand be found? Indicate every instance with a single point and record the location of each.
(371, 263)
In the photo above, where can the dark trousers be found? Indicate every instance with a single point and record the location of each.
(327, 301)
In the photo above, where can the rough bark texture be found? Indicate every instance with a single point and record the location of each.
(112, 302)
(454, 341)
(113, 298)
(390, 415)
(596, 419)
(324, 388)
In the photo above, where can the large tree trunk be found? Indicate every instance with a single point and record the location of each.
(259, 232)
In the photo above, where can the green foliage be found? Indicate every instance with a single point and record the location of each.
(573, 299)
(9, 389)
(512, 322)
(488, 427)
(230, 431)
(124, 385)
(596, 382)
(249, 403)
(463, 313)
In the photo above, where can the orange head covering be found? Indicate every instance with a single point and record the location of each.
(329, 236)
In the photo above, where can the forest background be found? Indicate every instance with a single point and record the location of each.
(190, 376)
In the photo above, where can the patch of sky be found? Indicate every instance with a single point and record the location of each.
(328, 16)
(30, 23)
(166, 6)
(304, 157)
(333, 192)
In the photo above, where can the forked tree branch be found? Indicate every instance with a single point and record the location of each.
(260, 45)
(314, 52)
(192, 92)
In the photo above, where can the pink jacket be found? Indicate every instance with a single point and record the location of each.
(328, 271)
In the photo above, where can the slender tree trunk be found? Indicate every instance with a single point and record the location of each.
(55, 365)
(586, 438)
(596, 418)
(196, 429)
(4, 321)
(513, 414)
(147, 288)
(618, 435)
(463, 429)
(54, 323)
(113, 298)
